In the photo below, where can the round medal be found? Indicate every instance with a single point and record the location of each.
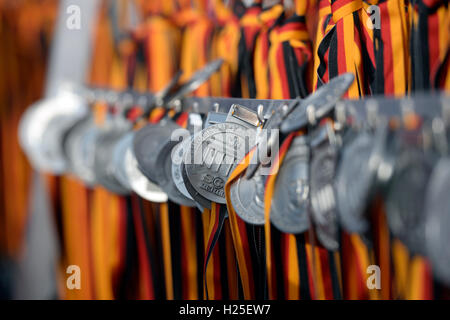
(214, 154)
(290, 203)
(323, 204)
(437, 224)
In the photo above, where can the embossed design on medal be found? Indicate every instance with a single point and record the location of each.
(323, 202)
(179, 174)
(216, 151)
(290, 203)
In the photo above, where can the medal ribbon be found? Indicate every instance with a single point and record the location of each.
(239, 234)
(250, 27)
(392, 76)
(348, 47)
(269, 18)
(430, 23)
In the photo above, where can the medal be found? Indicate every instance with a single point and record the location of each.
(406, 190)
(80, 147)
(437, 223)
(43, 127)
(104, 166)
(163, 176)
(290, 203)
(139, 182)
(118, 159)
(146, 143)
(323, 203)
(216, 151)
(247, 198)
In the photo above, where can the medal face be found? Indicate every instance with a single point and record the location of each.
(139, 182)
(164, 176)
(405, 198)
(104, 165)
(213, 155)
(354, 180)
(43, 127)
(323, 100)
(201, 201)
(437, 209)
(323, 204)
(247, 198)
(179, 175)
(146, 144)
(80, 149)
(118, 159)
(178, 154)
(290, 203)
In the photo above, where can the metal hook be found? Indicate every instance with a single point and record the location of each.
(446, 111)
(440, 135)
(341, 115)
(260, 113)
(331, 134)
(311, 113)
(372, 112)
(177, 105)
(195, 107)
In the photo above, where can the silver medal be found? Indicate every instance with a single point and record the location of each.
(146, 144)
(405, 198)
(43, 126)
(80, 150)
(177, 157)
(214, 154)
(290, 204)
(118, 159)
(353, 182)
(103, 164)
(164, 176)
(179, 152)
(437, 224)
(323, 203)
(247, 198)
(139, 182)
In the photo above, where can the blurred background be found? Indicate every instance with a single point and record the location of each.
(49, 222)
(26, 29)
